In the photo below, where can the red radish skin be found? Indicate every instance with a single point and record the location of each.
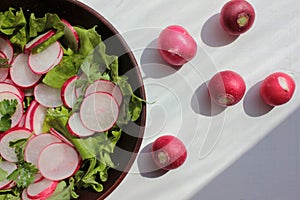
(71, 37)
(168, 152)
(37, 119)
(41, 189)
(38, 40)
(8, 87)
(226, 88)
(6, 151)
(9, 167)
(28, 114)
(60, 136)
(277, 89)
(3, 73)
(237, 17)
(76, 128)
(176, 45)
(68, 95)
(7, 49)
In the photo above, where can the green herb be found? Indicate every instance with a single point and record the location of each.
(23, 176)
(4, 63)
(7, 109)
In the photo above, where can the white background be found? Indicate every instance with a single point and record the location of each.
(245, 152)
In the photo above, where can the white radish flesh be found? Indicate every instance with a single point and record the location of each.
(41, 63)
(58, 161)
(21, 74)
(41, 189)
(7, 49)
(37, 119)
(60, 136)
(105, 86)
(47, 96)
(16, 117)
(38, 40)
(3, 73)
(68, 92)
(76, 127)
(6, 151)
(9, 167)
(70, 36)
(28, 115)
(79, 90)
(24, 195)
(35, 146)
(7, 87)
(99, 111)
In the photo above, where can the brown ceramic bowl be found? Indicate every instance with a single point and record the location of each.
(79, 14)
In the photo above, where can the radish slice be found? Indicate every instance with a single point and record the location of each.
(47, 96)
(3, 73)
(10, 185)
(21, 74)
(7, 49)
(70, 37)
(16, 117)
(28, 115)
(105, 86)
(35, 146)
(7, 87)
(6, 151)
(24, 195)
(60, 136)
(38, 177)
(79, 91)
(99, 111)
(38, 40)
(41, 63)
(37, 118)
(58, 161)
(68, 92)
(59, 58)
(41, 189)
(7, 80)
(9, 167)
(22, 122)
(76, 127)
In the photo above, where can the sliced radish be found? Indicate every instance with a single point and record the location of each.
(37, 118)
(105, 86)
(59, 58)
(24, 195)
(60, 136)
(21, 74)
(7, 87)
(38, 177)
(47, 96)
(6, 151)
(28, 92)
(7, 80)
(16, 117)
(41, 189)
(99, 111)
(58, 161)
(68, 92)
(22, 122)
(79, 90)
(35, 145)
(10, 185)
(70, 36)
(28, 115)
(41, 63)
(3, 73)
(9, 167)
(38, 40)
(7, 49)
(76, 127)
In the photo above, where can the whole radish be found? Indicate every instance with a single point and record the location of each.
(168, 152)
(277, 89)
(176, 45)
(226, 88)
(237, 17)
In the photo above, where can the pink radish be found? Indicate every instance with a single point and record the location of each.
(68, 92)
(38, 40)
(9, 167)
(99, 111)
(16, 117)
(38, 177)
(277, 89)
(21, 74)
(21, 124)
(237, 17)
(47, 96)
(37, 118)
(41, 189)
(70, 37)
(10, 185)
(7, 49)
(76, 127)
(8, 80)
(79, 91)
(168, 152)
(6, 151)
(24, 195)
(3, 73)
(60, 136)
(176, 45)
(6, 87)
(105, 86)
(58, 161)
(226, 88)
(41, 63)
(35, 145)
(28, 115)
